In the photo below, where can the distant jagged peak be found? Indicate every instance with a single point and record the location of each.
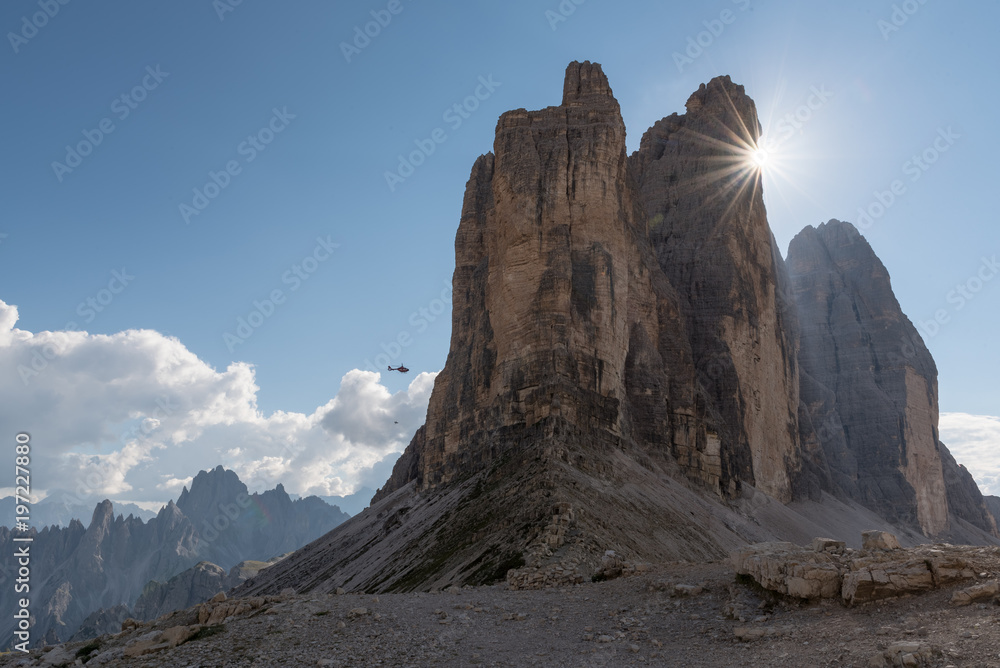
(210, 486)
(215, 477)
(834, 229)
(103, 512)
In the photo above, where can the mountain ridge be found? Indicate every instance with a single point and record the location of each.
(82, 570)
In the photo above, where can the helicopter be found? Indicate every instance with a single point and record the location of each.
(400, 369)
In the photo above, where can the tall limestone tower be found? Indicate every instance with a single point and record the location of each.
(633, 368)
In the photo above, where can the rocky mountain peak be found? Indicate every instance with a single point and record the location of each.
(169, 514)
(102, 520)
(586, 85)
(870, 386)
(633, 368)
(208, 490)
(724, 100)
(103, 512)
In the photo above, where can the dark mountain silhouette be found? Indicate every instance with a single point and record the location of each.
(78, 571)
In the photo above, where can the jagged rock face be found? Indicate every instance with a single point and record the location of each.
(562, 308)
(965, 501)
(234, 525)
(559, 308)
(103, 621)
(621, 327)
(870, 386)
(198, 583)
(195, 585)
(993, 506)
(707, 223)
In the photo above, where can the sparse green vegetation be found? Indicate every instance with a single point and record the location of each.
(88, 649)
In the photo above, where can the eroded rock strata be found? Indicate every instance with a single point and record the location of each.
(707, 224)
(633, 368)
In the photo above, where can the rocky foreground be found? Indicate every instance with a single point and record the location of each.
(678, 614)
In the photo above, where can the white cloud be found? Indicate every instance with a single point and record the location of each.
(136, 414)
(974, 440)
(172, 484)
(105, 474)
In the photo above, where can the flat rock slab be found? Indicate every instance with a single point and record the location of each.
(858, 577)
(789, 569)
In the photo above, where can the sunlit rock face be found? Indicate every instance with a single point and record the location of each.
(641, 300)
(560, 310)
(870, 386)
(708, 226)
(625, 366)
(638, 298)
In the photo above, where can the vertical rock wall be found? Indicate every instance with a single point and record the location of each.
(871, 385)
(708, 226)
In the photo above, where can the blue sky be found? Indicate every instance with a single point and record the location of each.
(286, 122)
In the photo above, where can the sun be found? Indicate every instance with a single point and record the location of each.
(759, 157)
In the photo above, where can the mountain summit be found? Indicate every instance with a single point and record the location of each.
(634, 368)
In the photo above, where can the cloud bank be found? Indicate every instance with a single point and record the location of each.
(134, 415)
(974, 440)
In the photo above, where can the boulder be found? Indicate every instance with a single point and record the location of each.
(879, 540)
(976, 593)
(789, 569)
(870, 580)
(828, 545)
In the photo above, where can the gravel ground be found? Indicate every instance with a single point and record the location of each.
(647, 619)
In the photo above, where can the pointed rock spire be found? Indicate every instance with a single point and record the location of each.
(586, 84)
